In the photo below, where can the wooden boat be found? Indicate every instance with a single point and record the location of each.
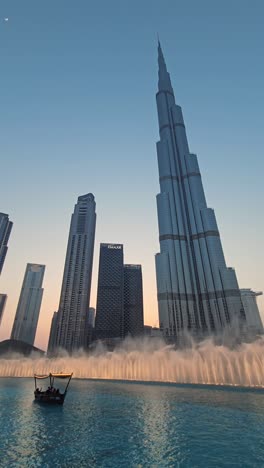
(52, 395)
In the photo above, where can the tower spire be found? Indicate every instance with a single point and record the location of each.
(164, 76)
(196, 290)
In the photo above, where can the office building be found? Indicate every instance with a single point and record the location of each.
(197, 292)
(133, 301)
(27, 313)
(76, 283)
(5, 230)
(109, 320)
(89, 327)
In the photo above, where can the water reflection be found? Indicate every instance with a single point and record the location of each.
(19, 423)
(157, 419)
(112, 424)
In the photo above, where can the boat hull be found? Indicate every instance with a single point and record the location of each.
(50, 399)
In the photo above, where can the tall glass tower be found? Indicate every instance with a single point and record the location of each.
(109, 320)
(5, 230)
(133, 301)
(27, 313)
(76, 284)
(196, 290)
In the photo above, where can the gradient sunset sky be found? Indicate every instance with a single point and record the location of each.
(78, 115)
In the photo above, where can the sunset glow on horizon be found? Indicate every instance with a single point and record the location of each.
(79, 116)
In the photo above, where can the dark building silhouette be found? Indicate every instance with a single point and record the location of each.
(53, 331)
(89, 327)
(5, 230)
(17, 346)
(109, 320)
(3, 298)
(133, 301)
(91, 317)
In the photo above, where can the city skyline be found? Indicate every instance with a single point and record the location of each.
(216, 96)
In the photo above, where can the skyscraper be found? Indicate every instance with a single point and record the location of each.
(196, 290)
(53, 332)
(27, 313)
(76, 283)
(133, 301)
(3, 298)
(249, 300)
(91, 316)
(109, 320)
(89, 327)
(5, 230)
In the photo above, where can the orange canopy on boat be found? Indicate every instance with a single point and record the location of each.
(60, 375)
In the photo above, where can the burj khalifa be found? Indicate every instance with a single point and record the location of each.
(197, 292)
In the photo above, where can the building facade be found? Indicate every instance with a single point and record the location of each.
(133, 301)
(27, 313)
(249, 300)
(53, 333)
(3, 299)
(89, 327)
(91, 317)
(5, 230)
(109, 320)
(196, 290)
(76, 283)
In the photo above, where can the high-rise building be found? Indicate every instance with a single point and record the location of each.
(27, 313)
(5, 230)
(196, 290)
(109, 320)
(133, 301)
(91, 317)
(249, 300)
(76, 283)
(53, 331)
(89, 327)
(3, 298)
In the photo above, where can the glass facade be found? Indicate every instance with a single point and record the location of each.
(109, 320)
(76, 283)
(197, 292)
(27, 313)
(133, 301)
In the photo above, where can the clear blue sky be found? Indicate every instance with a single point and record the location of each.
(78, 115)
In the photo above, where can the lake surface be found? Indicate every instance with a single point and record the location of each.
(121, 424)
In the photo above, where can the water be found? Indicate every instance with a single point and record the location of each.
(141, 360)
(124, 424)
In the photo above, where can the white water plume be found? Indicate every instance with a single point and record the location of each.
(153, 361)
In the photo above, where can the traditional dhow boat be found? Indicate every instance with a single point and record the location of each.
(52, 395)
